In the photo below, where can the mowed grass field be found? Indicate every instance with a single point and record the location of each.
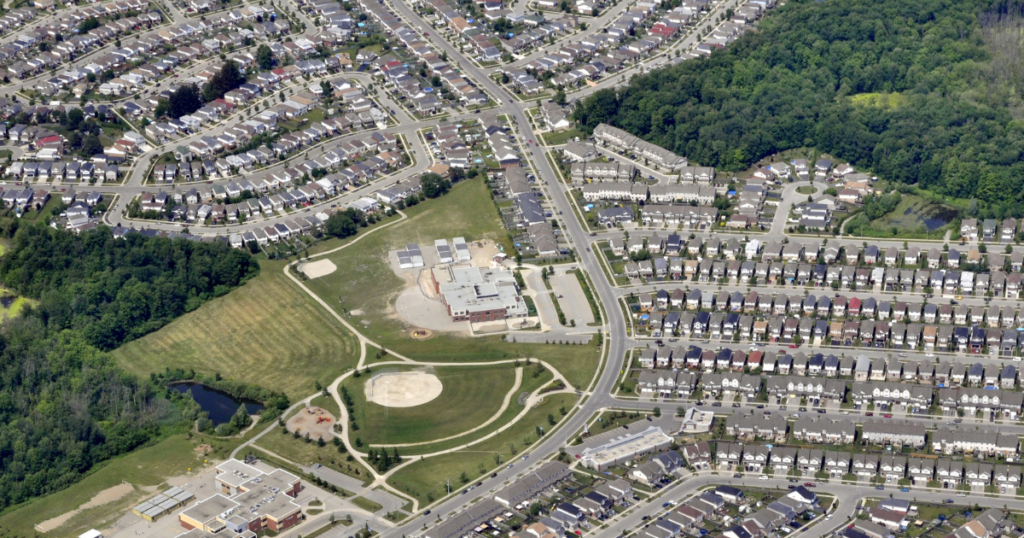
(469, 397)
(425, 479)
(268, 332)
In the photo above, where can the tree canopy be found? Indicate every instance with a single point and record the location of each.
(434, 185)
(64, 405)
(345, 223)
(183, 101)
(264, 56)
(920, 92)
(115, 290)
(225, 80)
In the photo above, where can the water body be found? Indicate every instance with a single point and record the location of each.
(219, 405)
(938, 217)
(933, 216)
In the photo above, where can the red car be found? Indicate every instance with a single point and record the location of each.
(887, 415)
(869, 414)
(809, 484)
(578, 533)
(792, 346)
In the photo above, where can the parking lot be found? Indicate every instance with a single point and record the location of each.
(571, 298)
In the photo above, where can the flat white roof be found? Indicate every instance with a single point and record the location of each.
(235, 473)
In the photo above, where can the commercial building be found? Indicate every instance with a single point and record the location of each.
(624, 448)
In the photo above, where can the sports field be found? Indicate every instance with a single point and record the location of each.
(267, 332)
(425, 479)
(469, 397)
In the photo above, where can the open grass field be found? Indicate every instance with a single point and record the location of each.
(148, 466)
(299, 452)
(425, 479)
(469, 397)
(561, 137)
(268, 332)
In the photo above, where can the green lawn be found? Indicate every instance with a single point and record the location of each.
(268, 332)
(425, 479)
(469, 396)
(366, 504)
(806, 189)
(561, 137)
(529, 384)
(300, 452)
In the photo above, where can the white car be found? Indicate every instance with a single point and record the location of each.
(763, 477)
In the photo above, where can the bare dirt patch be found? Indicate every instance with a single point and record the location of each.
(403, 389)
(108, 495)
(421, 334)
(315, 421)
(319, 268)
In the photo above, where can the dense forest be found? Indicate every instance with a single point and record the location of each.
(64, 405)
(921, 92)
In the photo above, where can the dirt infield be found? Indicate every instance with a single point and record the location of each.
(306, 421)
(108, 495)
(319, 268)
(403, 389)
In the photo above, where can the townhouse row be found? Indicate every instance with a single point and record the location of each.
(949, 473)
(860, 369)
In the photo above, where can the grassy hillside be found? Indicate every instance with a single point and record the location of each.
(267, 332)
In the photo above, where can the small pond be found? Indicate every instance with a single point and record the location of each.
(933, 216)
(219, 405)
(7, 300)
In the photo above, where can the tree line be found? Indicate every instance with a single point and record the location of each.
(908, 90)
(64, 405)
